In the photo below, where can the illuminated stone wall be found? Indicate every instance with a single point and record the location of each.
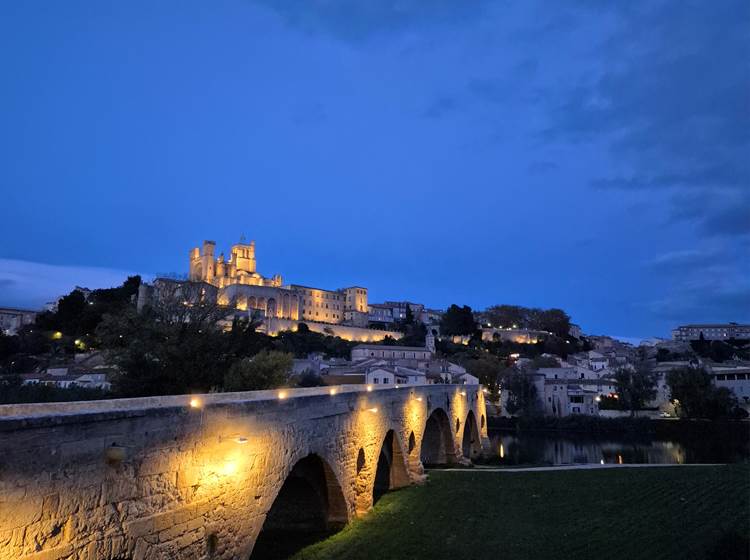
(158, 478)
(348, 332)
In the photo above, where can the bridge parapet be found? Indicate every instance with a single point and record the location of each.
(199, 476)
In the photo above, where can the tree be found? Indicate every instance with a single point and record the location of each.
(523, 398)
(545, 362)
(505, 316)
(309, 378)
(695, 396)
(458, 321)
(266, 370)
(489, 370)
(635, 386)
(555, 321)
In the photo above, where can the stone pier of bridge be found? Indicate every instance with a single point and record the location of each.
(212, 476)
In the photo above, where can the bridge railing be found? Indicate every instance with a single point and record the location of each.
(32, 410)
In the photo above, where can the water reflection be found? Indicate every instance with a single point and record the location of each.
(529, 448)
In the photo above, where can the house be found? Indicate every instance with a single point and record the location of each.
(12, 319)
(563, 397)
(65, 378)
(364, 351)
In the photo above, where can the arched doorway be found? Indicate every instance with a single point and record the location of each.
(271, 308)
(309, 507)
(471, 444)
(437, 441)
(391, 471)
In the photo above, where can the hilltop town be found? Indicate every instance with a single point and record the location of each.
(233, 328)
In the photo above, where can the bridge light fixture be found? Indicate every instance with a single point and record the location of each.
(373, 409)
(236, 438)
(332, 392)
(195, 402)
(419, 399)
(463, 393)
(282, 395)
(369, 388)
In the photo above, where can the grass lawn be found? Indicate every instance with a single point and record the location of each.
(650, 513)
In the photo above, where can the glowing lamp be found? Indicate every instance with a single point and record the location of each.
(373, 409)
(369, 387)
(282, 395)
(419, 399)
(195, 402)
(332, 392)
(463, 393)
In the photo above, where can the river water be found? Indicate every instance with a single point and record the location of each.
(556, 448)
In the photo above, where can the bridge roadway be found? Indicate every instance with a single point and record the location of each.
(210, 476)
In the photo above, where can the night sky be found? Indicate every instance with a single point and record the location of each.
(536, 153)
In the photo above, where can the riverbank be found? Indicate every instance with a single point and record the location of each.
(661, 428)
(681, 513)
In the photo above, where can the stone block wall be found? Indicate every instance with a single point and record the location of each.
(158, 478)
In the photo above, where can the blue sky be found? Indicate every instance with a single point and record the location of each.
(545, 154)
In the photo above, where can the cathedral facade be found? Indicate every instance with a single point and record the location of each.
(241, 286)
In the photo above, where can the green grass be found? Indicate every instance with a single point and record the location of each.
(650, 513)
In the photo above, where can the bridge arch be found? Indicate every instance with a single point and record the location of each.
(391, 471)
(438, 446)
(309, 506)
(471, 443)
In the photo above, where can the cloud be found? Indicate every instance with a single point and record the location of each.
(705, 303)
(677, 262)
(28, 284)
(671, 102)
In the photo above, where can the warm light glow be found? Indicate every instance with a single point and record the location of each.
(369, 387)
(373, 409)
(419, 399)
(57, 335)
(485, 390)
(619, 459)
(195, 402)
(463, 393)
(332, 392)
(515, 356)
(396, 386)
(502, 451)
(229, 468)
(282, 394)
(598, 398)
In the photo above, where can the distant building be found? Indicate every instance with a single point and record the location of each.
(711, 331)
(11, 319)
(392, 365)
(365, 351)
(519, 336)
(736, 378)
(66, 378)
(235, 284)
(241, 286)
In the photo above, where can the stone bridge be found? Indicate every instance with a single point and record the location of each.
(228, 475)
